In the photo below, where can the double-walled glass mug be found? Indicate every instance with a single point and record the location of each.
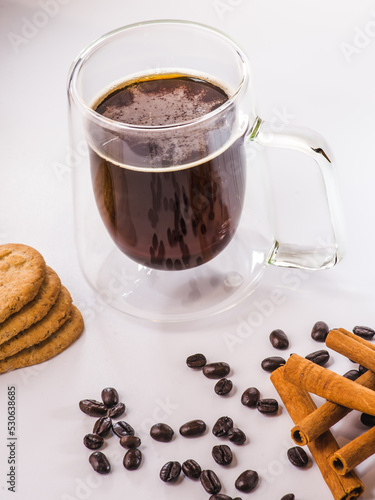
(173, 215)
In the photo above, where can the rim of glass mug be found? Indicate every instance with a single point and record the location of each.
(234, 97)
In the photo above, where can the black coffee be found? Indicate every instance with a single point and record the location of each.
(181, 218)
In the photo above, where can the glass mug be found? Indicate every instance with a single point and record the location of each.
(173, 214)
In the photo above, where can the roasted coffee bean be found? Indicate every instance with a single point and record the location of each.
(352, 374)
(193, 428)
(216, 370)
(319, 357)
(103, 426)
(99, 462)
(170, 471)
(191, 469)
(222, 426)
(122, 428)
(116, 411)
(364, 331)
(130, 442)
(196, 361)
(368, 420)
(289, 496)
(93, 441)
(236, 436)
(279, 340)
(132, 459)
(222, 454)
(220, 496)
(162, 432)
(110, 397)
(268, 405)
(320, 331)
(297, 456)
(250, 397)
(247, 481)
(223, 386)
(93, 408)
(210, 482)
(362, 369)
(272, 363)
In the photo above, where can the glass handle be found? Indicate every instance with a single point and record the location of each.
(322, 255)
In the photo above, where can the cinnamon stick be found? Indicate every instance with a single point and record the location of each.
(299, 404)
(329, 385)
(353, 347)
(353, 453)
(357, 338)
(328, 414)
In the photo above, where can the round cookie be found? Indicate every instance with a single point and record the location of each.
(56, 317)
(22, 271)
(53, 345)
(33, 311)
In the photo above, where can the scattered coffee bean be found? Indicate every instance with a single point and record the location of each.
(272, 363)
(250, 397)
(110, 397)
(247, 481)
(320, 331)
(364, 331)
(236, 436)
(132, 459)
(368, 420)
(116, 411)
(193, 428)
(170, 471)
(362, 369)
(93, 441)
(162, 433)
(352, 374)
(223, 386)
(93, 408)
(191, 469)
(268, 405)
(220, 496)
(216, 370)
(279, 340)
(130, 441)
(196, 361)
(289, 496)
(99, 462)
(103, 426)
(122, 428)
(210, 482)
(222, 426)
(297, 456)
(319, 357)
(222, 454)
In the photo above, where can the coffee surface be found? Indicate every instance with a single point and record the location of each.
(162, 101)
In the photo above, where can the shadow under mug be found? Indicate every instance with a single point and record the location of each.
(174, 222)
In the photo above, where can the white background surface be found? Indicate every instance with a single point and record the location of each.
(312, 59)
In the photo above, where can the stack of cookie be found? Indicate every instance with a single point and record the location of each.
(37, 317)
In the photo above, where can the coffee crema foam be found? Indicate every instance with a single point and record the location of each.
(170, 100)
